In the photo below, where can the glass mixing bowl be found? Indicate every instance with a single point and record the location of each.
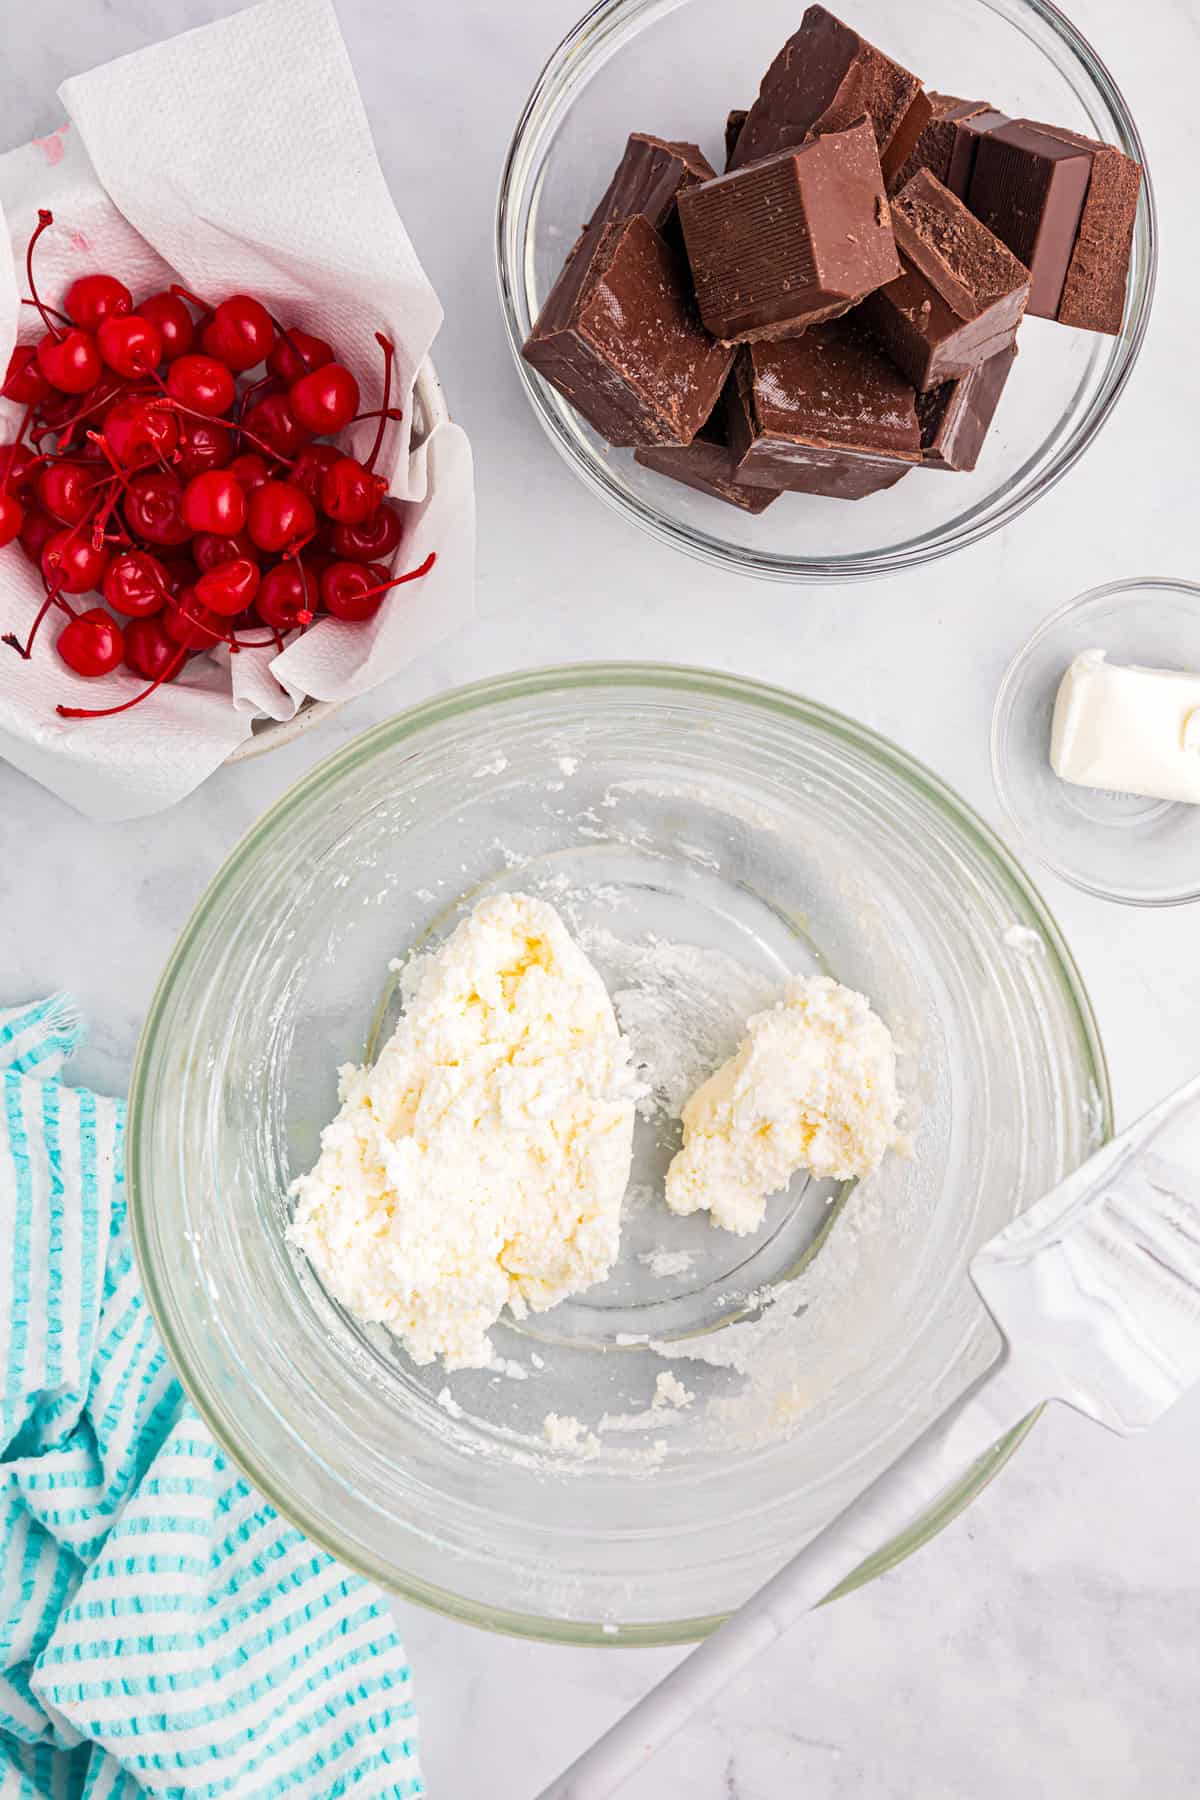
(704, 837)
(675, 68)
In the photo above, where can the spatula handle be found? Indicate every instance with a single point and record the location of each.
(970, 1430)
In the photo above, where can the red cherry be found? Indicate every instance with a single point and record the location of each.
(240, 332)
(229, 588)
(23, 379)
(202, 383)
(374, 540)
(19, 469)
(354, 592)
(131, 345)
(181, 572)
(67, 492)
(154, 508)
(74, 565)
(310, 467)
(271, 421)
(349, 493)
(286, 599)
(279, 515)
(174, 323)
(249, 470)
(91, 299)
(70, 362)
(12, 518)
(214, 502)
(136, 584)
(149, 651)
(350, 590)
(296, 353)
(92, 643)
(210, 549)
(191, 624)
(36, 533)
(203, 444)
(325, 400)
(138, 432)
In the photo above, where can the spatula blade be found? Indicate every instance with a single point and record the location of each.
(1097, 1287)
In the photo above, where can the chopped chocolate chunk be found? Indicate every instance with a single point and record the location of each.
(907, 135)
(1093, 295)
(823, 413)
(647, 180)
(968, 134)
(707, 464)
(934, 145)
(955, 418)
(961, 294)
(791, 240)
(632, 355)
(824, 77)
(1029, 187)
(733, 131)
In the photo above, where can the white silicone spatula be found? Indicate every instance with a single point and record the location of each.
(1096, 1290)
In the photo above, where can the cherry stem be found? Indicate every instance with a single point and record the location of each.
(66, 430)
(45, 220)
(53, 598)
(389, 356)
(399, 580)
(395, 413)
(62, 317)
(166, 400)
(182, 293)
(106, 712)
(285, 333)
(250, 394)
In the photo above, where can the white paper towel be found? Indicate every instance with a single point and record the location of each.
(182, 163)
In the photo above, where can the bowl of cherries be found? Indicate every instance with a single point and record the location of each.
(177, 481)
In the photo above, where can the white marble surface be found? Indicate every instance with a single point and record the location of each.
(1047, 1645)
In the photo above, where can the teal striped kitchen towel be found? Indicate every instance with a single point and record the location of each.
(162, 1631)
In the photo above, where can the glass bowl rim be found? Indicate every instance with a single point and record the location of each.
(474, 698)
(1012, 674)
(561, 67)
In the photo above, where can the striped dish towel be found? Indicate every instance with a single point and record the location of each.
(162, 1631)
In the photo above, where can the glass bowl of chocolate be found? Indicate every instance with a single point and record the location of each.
(819, 297)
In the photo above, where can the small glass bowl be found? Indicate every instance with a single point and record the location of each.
(1119, 846)
(674, 67)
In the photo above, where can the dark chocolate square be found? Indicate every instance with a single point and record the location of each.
(934, 146)
(962, 292)
(1029, 188)
(789, 241)
(632, 356)
(825, 76)
(1093, 296)
(823, 413)
(647, 180)
(956, 418)
(706, 464)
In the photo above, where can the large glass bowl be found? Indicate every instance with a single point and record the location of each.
(752, 834)
(675, 67)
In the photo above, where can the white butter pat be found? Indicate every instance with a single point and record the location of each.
(812, 1086)
(1128, 729)
(482, 1161)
